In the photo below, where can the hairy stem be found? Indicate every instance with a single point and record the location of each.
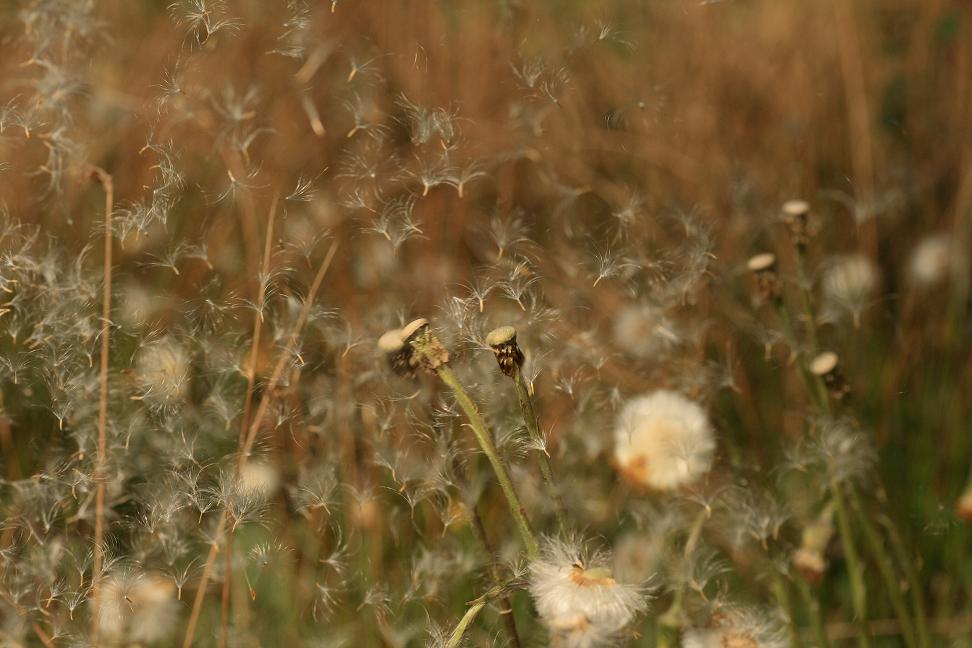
(489, 449)
(506, 609)
(533, 428)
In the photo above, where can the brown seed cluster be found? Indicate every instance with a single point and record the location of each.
(411, 347)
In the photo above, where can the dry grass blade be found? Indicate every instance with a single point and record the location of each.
(107, 183)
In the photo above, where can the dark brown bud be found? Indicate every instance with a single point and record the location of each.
(763, 267)
(826, 367)
(508, 354)
(797, 216)
(400, 355)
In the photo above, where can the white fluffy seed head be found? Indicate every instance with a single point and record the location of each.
(137, 607)
(162, 371)
(644, 330)
(579, 600)
(930, 260)
(663, 441)
(849, 284)
(259, 478)
(737, 629)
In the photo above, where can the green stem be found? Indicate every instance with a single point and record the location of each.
(489, 449)
(506, 609)
(807, 298)
(814, 387)
(455, 639)
(782, 595)
(533, 428)
(673, 616)
(854, 566)
(914, 584)
(813, 609)
(885, 566)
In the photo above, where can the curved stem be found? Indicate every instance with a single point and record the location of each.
(673, 616)
(854, 566)
(456, 637)
(489, 449)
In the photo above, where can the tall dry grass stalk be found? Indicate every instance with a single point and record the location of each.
(107, 184)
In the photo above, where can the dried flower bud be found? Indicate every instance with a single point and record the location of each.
(763, 267)
(428, 351)
(400, 355)
(796, 215)
(508, 354)
(825, 366)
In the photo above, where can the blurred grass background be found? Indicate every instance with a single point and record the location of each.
(722, 109)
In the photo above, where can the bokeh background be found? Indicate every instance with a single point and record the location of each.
(548, 164)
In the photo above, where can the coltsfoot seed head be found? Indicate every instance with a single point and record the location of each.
(663, 441)
(162, 371)
(930, 260)
(849, 284)
(579, 600)
(509, 356)
(139, 607)
(737, 629)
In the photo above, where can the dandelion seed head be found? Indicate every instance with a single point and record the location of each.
(663, 441)
(930, 260)
(737, 628)
(259, 478)
(578, 598)
(137, 606)
(644, 330)
(849, 284)
(162, 371)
